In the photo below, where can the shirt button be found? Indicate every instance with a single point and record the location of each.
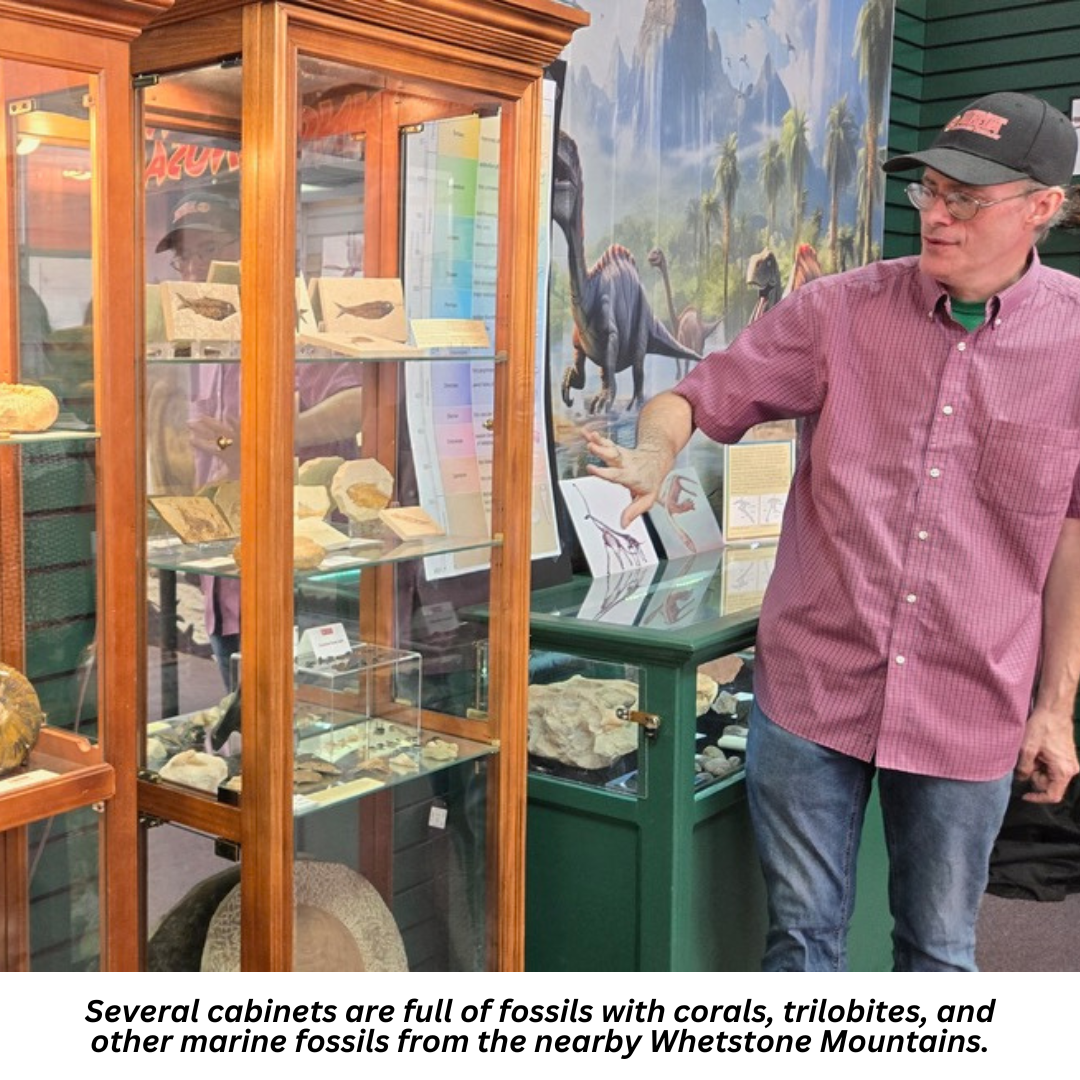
(900, 659)
(935, 473)
(962, 346)
(947, 410)
(911, 598)
(923, 534)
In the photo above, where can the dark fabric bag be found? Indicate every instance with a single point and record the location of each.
(1037, 853)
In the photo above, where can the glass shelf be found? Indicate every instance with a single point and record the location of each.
(422, 754)
(55, 434)
(341, 791)
(164, 354)
(216, 560)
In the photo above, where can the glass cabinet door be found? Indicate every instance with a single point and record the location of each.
(49, 700)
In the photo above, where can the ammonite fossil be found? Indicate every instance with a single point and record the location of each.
(20, 718)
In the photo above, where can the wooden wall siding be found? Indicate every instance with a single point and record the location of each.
(947, 52)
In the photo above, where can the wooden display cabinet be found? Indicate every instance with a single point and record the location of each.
(68, 610)
(341, 235)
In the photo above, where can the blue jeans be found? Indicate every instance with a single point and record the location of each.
(807, 805)
(223, 646)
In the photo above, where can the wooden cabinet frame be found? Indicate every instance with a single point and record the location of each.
(91, 38)
(499, 48)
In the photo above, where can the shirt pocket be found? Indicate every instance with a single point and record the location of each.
(1027, 468)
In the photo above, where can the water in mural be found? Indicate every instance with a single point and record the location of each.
(712, 156)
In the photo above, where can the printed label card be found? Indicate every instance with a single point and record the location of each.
(757, 477)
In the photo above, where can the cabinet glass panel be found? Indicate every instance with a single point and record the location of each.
(393, 366)
(191, 875)
(48, 517)
(397, 191)
(580, 726)
(192, 226)
(47, 439)
(678, 627)
(394, 393)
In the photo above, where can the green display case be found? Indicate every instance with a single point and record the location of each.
(646, 862)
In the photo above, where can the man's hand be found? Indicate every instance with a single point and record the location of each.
(1047, 760)
(642, 471)
(664, 428)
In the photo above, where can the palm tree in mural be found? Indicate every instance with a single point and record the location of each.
(772, 173)
(871, 189)
(726, 179)
(873, 38)
(795, 142)
(693, 224)
(841, 137)
(845, 247)
(710, 215)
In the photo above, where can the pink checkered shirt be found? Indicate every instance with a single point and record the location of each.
(902, 622)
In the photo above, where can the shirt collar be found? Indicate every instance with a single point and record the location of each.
(1001, 304)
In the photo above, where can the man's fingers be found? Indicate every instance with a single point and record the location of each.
(636, 509)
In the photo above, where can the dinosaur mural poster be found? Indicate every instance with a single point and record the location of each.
(711, 156)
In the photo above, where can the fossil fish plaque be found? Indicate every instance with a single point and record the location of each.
(363, 305)
(194, 518)
(200, 311)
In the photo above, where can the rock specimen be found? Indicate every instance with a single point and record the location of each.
(575, 722)
(362, 488)
(193, 768)
(26, 407)
(20, 718)
(342, 924)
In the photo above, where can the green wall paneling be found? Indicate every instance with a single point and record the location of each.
(948, 52)
(57, 476)
(62, 593)
(59, 539)
(64, 893)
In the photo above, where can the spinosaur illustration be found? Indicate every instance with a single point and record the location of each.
(614, 326)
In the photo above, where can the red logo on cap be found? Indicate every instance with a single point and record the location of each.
(978, 121)
(184, 209)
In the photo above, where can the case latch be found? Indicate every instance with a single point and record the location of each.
(649, 721)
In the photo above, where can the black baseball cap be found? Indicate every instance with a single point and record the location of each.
(998, 138)
(207, 212)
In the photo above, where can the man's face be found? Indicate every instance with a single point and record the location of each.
(976, 258)
(196, 248)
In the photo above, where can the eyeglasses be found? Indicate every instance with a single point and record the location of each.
(961, 205)
(204, 253)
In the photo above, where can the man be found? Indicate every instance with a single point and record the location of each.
(205, 227)
(928, 572)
